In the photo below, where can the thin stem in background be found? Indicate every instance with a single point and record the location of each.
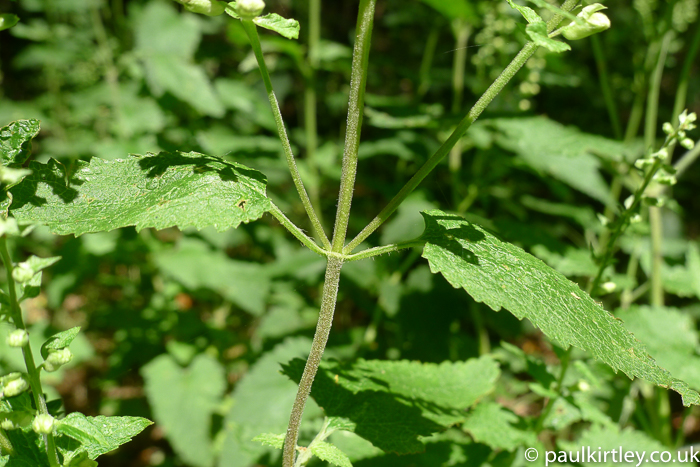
(604, 81)
(496, 87)
(32, 371)
(682, 90)
(462, 31)
(427, 62)
(252, 32)
(310, 104)
(358, 81)
(655, 215)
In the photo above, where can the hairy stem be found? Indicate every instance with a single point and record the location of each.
(252, 33)
(358, 81)
(32, 370)
(365, 22)
(527, 51)
(296, 231)
(323, 329)
(381, 250)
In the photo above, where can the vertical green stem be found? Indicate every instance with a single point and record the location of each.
(682, 91)
(358, 81)
(427, 61)
(604, 80)
(323, 329)
(310, 103)
(657, 235)
(655, 220)
(252, 33)
(32, 371)
(462, 31)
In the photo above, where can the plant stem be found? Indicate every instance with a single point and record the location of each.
(682, 91)
(620, 224)
(657, 233)
(310, 103)
(560, 383)
(380, 250)
(604, 80)
(296, 231)
(654, 88)
(427, 61)
(365, 22)
(32, 371)
(687, 160)
(358, 81)
(252, 33)
(655, 220)
(323, 328)
(496, 87)
(462, 31)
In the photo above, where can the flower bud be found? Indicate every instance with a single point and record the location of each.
(56, 359)
(688, 143)
(661, 154)
(609, 287)
(14, 386)
(43, 424)
(668, 128)
(23, 273)
(249, 9)
(665, 179)
(603, 220)
(641, 164)
(8, 425)
(17, 338)
(636, 219)
(205, 7)
(595, 22)
(629, 202)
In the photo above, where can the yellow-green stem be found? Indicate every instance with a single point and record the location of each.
(32, 371)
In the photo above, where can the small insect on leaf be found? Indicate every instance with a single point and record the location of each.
(242, 204)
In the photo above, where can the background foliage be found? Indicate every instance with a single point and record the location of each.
(188, 328)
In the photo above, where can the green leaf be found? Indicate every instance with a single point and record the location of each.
(196, 266)
(538, 34)
(558, 11)
(28, 448)
(184, 80)
(116, 431)
(285, 27)
(268, 439)
(15, 141)
(492, 425)
(528, 13)
(59, 341)
(80, 428)
(329, 453)
(392, 404)
(670, 336)
(7, 20)
(502, 275)
(183, 400)
(160, 191)
(562, 152)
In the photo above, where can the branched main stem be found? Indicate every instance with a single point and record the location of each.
(32, 371)
(365, 22)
